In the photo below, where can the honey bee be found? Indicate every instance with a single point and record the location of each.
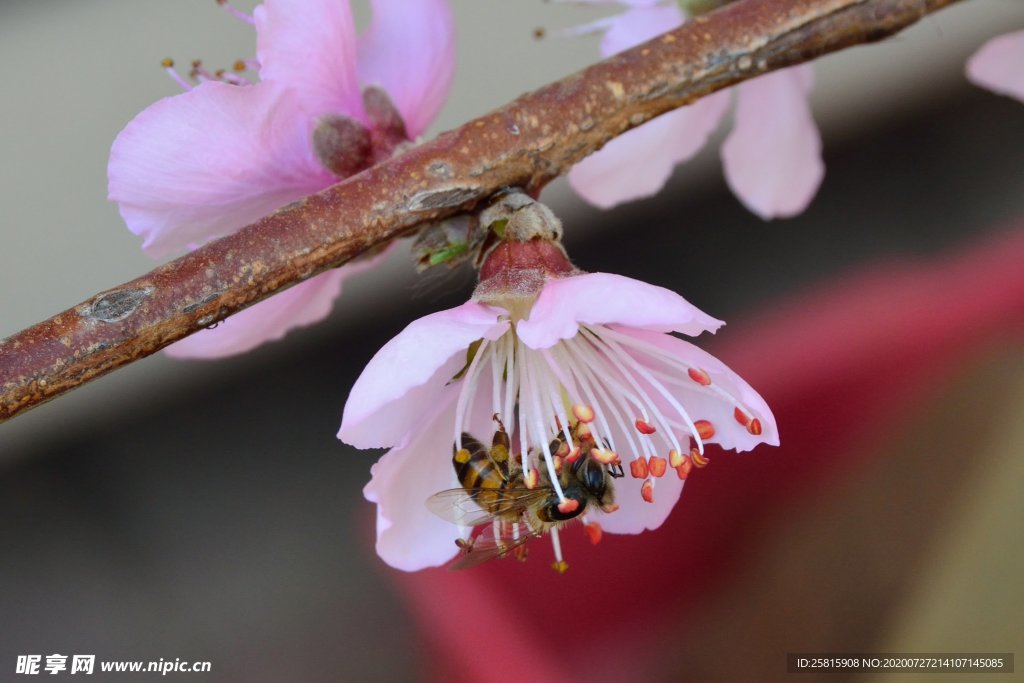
(494, 491)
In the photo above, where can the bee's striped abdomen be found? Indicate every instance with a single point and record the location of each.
(476, 470)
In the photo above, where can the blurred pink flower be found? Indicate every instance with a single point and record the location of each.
(772, 157)
(202, 164)
(597, 342)
(999, 65)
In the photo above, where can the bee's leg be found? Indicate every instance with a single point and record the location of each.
(501, 425)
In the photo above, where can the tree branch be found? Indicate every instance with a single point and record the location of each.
(526, 143)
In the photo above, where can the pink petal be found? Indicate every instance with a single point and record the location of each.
(404, 380)
(310, 45)
(603, 298)
(639, 163)
(409, 536)
(409, 51)
(704, 403)
(636, 515)
(773, 155)
(204, 163)
(269, 320)
(639, 24)
(999, 65)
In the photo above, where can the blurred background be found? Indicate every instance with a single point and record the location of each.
(205, 511)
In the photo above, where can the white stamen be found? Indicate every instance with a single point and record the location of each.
(596, 26)
(614, 401)
(521, 384)
(677, 378)
(511, 379)
(237, 13)
(658, 386)
(599, 428)
(620, 358)
(496, 368)
(178, 78)
(556, 544)
(534, 376)
(553, 391)
(468, 391)
(496, 530)
(589, 364)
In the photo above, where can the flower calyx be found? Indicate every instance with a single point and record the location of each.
(522, 250)
(346, 146)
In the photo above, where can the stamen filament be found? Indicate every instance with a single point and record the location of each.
(469, 382)
(556, 545)
(612, 403)
(540, 433)
(623, 397)
(168, 67)
(554, 395)
(237, 13)
(511, 378)
(671, 360)
(599, 428)
(660, 388)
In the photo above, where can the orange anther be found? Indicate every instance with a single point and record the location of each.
(684, 469)
(568, 505)
(563, 449)
(698, 459)
(560, 567)
(520, 552)
(699, 376)
(657, 466)
(574, 455)
(583, 413)
(582, 432)
(675, 458)
(754, 427)
(638, 468)
(594, 532)
(644, 427)
(647, 491)
(462, 456)
(531, 478)
(705, 429)
(741, 417)
(604, 456)
(610, 508)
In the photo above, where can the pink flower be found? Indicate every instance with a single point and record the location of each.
(772, 157)
(999, 65)
(551, 353)
(202, 164)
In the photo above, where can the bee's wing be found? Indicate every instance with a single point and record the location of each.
(463, 506)
(487, 547)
